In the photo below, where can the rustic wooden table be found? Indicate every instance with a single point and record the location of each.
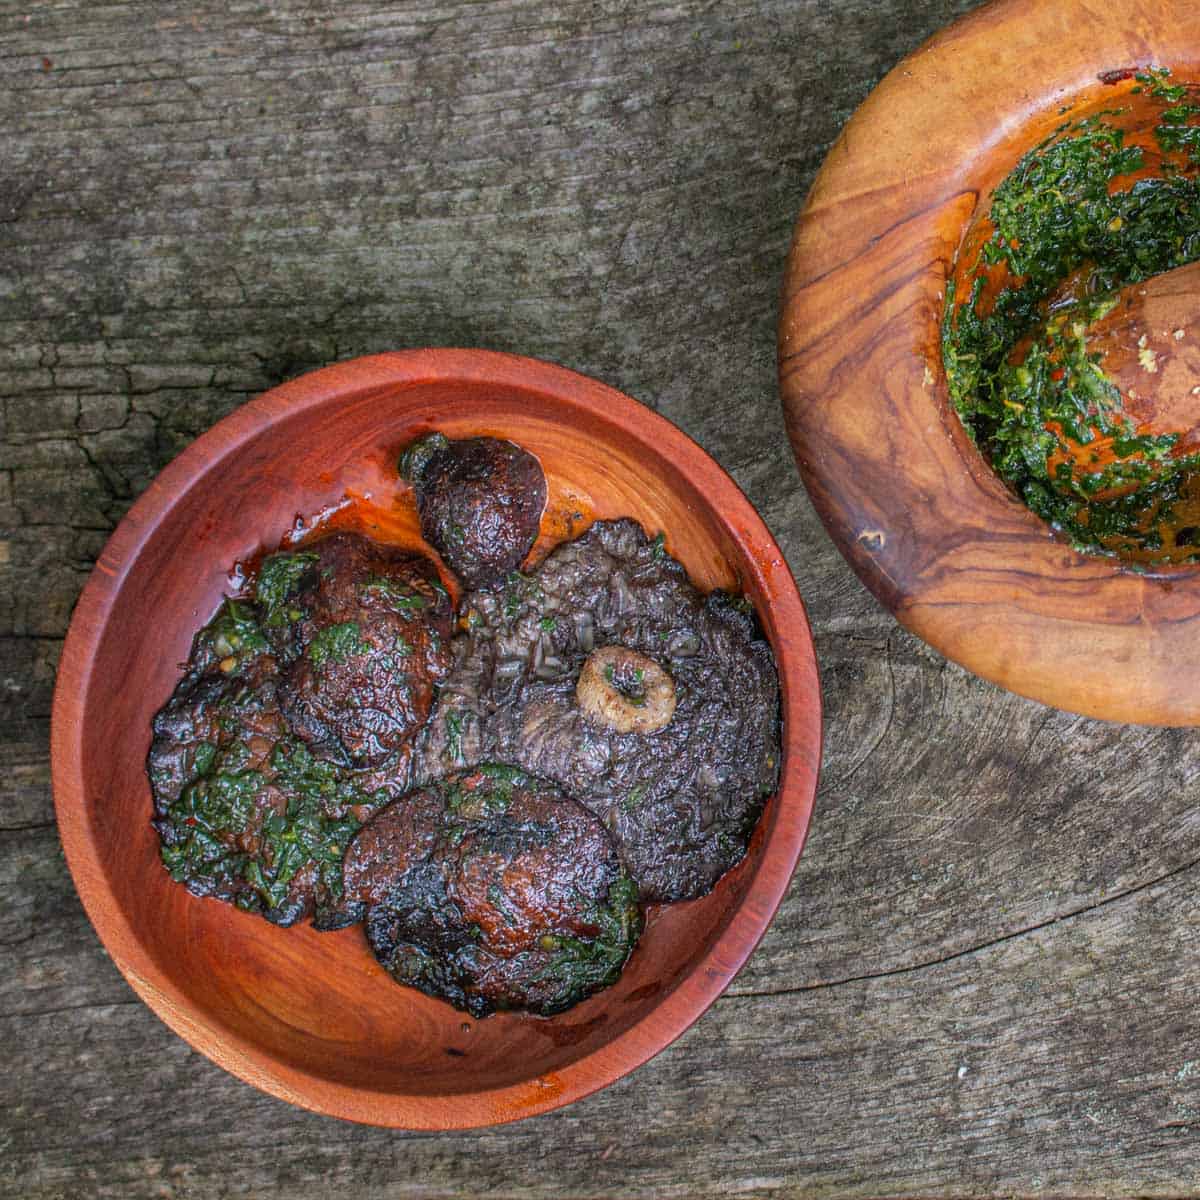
(982, 982)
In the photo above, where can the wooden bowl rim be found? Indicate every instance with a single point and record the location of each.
(901, 128)
(696, 989)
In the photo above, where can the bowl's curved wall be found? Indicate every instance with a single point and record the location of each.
(311, 1017)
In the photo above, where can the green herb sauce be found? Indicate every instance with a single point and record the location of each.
(278, 578)
(234, 633)
(219, 804)
(1071, 225)
(335, 643)
(399, 599)
(579, 967)
(245, 823)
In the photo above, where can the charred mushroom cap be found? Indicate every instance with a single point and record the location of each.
(244, 813)
(367, 634)
(385, 849)
(416, 457)
(493, 890)
(681, 798)
(480, 502)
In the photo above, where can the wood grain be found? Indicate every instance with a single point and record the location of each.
(1149, 346)
(619, 197)
(910, 502)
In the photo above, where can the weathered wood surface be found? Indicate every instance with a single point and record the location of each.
(983, 980)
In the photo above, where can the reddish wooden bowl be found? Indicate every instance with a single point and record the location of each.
(311, 1017)
(912, 505)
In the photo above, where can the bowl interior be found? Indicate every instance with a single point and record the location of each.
(311, 1016)
(1124, 103)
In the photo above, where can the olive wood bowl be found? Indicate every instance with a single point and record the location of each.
(902, 490)
(310, 1017)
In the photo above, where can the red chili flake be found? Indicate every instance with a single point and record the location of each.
(1116, 76)
(46, 64)
(1058, 373)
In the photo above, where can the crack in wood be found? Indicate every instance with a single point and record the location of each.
(36, 1014)
(967, 952)
(35, 825)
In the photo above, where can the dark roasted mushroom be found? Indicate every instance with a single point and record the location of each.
(492, 890)
(246, 811)
(480, 502)
(680, 756)
(369, 629)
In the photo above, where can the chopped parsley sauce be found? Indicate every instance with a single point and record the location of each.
(1093, 208)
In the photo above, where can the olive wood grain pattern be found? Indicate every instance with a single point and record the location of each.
(909, 501)
(1149, 346)
(308, 1016)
